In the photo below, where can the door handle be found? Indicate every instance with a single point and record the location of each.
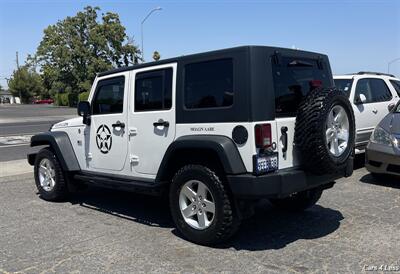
(284, 138)
(375, 111)
(118, 124)
(161, 122)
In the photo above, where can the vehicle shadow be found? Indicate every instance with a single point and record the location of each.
(359, 161)
(148, 210)
(384, 180)
(269, 228)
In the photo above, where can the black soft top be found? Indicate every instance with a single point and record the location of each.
(254, 98)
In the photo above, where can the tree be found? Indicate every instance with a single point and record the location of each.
(73, 50)
(156, 56)
(27, 82)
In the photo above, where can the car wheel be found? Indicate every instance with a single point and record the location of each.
(49, 177)
(299, 201)
(201, 206)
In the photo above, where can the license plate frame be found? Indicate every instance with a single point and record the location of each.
(266, 163)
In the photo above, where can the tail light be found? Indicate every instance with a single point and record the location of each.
(315, 84)
(263, 135)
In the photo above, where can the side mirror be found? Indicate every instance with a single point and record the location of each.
(361, 99)
(84, 111)
(391, 107)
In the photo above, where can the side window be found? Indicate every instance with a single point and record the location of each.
(153, 90)
(396, 85)
(209, 84)
(109, 96)
(375, 90)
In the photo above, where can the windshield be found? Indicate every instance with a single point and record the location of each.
(344, 85)
(294, 78)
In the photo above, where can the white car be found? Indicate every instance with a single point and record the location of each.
(372, 95)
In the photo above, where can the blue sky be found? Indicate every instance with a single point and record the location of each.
(357, 35)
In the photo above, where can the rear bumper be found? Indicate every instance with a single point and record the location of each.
(282, 183)
(382, 159)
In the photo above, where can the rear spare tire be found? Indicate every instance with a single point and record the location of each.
(324, 131)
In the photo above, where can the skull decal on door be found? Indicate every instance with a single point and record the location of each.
(103, 139)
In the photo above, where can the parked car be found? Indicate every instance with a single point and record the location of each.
(372, 94)
(215, 132)
(43, 101)
(383, 150)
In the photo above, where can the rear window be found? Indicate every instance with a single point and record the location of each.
(396, 85)
(294, 78)
(344, 85)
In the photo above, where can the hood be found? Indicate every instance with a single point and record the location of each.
(74, 122)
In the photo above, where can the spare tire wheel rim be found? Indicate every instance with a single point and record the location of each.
(337, 130)
(197, 204)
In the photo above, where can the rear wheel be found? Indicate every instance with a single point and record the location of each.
(49, 176)
(201, 207)
(299, 201)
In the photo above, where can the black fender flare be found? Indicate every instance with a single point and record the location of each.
(223, 146)
(61, 145)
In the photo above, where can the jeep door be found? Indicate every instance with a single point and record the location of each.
(107, 138)
(151, 116)
(371, 100)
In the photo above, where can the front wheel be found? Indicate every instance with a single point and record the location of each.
(49, 176)
(201, 207)
(299, 201)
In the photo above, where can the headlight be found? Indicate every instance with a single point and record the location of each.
(381, 136)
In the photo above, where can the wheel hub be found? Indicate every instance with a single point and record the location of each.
(337, 131)
(46, 174)
(196, 204)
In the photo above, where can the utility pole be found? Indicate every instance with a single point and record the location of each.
(391, 62)
(20, 95)
(141, 27)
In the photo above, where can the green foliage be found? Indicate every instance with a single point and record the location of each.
(84, 96)
(67, 99)
(75, 49)
(156, 56)
(27, 82)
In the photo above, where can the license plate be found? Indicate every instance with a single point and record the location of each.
(266, 163)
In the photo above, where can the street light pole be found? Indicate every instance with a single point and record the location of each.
(141, 26)
(391, 62)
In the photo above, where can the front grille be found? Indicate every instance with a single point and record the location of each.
(393, 168)
(374, 163)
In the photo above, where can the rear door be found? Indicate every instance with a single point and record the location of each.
(371, 112)
(152, 117)
(294, 78)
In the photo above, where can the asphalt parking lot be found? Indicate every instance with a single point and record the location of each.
(354, 228)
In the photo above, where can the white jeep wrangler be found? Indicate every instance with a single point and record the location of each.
(215, 131)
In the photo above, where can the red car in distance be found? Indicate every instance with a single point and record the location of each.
(43, 101)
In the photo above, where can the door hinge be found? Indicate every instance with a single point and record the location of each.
(132, 131)
(133, 159)
(89, 156)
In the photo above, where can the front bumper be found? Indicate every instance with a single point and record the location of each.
(282, 183)
(382, 159)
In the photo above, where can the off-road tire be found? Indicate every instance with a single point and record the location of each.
(310, 130)
(299, 201)
(226, 221)
(60, 189)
